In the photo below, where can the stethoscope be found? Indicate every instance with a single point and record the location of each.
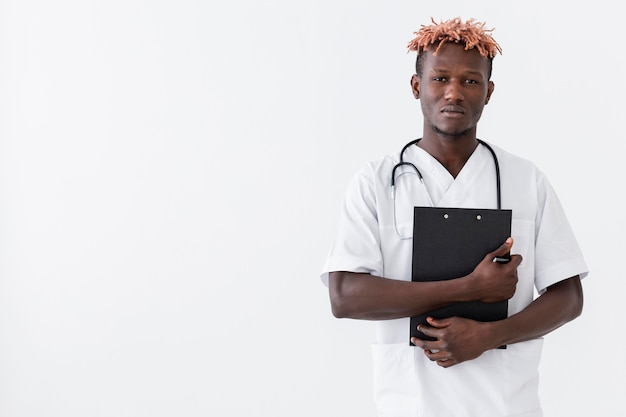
(421, 178)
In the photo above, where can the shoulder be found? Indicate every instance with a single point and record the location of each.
(372, 181)
(531, 186)
(378, 169)
(507, 158)
(517, 167)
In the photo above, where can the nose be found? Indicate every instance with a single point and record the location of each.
(454, 92)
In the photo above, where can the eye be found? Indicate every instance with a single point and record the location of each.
(471, 82)
(440, 79)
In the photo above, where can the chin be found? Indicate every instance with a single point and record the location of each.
(452, 133)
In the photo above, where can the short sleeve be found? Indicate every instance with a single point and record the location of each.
(356, 247)
(558, 255)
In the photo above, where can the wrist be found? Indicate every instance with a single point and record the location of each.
(494, 334)
(467, 289)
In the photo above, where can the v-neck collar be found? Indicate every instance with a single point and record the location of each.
(444, 189)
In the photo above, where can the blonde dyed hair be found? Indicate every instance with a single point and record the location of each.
(471, 33)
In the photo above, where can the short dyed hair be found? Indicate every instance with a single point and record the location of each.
(471, 34)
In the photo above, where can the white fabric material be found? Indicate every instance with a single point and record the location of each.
(499, 383)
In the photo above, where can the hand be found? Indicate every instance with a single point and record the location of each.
(458, 340)
(495, 281)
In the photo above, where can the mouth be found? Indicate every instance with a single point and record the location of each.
(453, 110)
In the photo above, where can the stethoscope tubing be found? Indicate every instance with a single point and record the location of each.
(419, 174)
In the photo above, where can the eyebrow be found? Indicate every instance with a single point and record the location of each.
(444, 71)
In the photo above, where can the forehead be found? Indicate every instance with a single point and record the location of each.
(452, 56)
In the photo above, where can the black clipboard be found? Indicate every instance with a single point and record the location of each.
(448, 243)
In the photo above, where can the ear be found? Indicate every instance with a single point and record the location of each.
(491, 86)
(415, 86)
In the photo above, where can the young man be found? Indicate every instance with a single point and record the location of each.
(368, 271)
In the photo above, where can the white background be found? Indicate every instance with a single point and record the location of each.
(171, 174)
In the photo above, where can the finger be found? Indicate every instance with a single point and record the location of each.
(503, 250)
(420, 343)
(446, 363)
(516, 260)
(428, 330)
(436, 355)
(438, 323)
(427, 346)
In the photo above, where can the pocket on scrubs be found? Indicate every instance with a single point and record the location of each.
(469, 389)
(395, 380)
(521, 376)
(501, 382)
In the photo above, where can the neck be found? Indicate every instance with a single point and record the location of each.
(451, 152)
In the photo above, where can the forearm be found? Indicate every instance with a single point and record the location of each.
(363, 296)
(561, 303)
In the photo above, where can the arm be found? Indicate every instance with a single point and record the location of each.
(462, 339)
(363, 296)
(560, 304)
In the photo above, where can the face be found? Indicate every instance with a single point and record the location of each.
(453, 89)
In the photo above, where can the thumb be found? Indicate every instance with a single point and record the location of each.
(504, 250)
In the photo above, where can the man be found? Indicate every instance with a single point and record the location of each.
(368, 271)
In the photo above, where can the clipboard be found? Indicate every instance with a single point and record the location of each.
(448, 243)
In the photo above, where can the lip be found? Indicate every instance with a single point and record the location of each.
(453, 110)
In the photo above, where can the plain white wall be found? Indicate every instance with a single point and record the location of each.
(170, 178)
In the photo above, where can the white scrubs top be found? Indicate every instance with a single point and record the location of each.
(501, 382)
